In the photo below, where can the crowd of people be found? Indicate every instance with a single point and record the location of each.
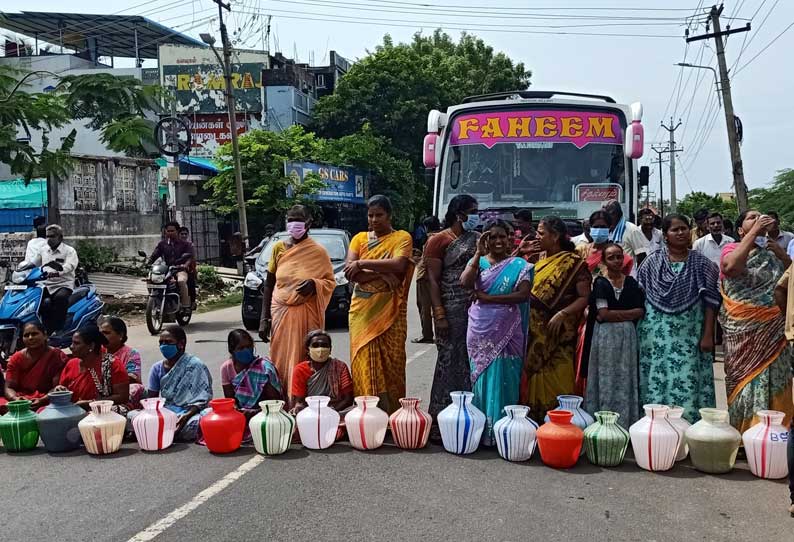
(520, 313)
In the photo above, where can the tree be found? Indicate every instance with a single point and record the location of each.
(778, 197)
(694, 201)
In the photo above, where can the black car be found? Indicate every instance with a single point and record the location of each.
(335, 243)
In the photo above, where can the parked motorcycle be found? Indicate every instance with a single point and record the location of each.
(164, 300)
(22, 303)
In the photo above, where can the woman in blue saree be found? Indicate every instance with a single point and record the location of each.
(498, 322)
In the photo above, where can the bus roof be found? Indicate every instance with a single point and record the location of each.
(534, 94)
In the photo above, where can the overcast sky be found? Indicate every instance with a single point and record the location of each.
(637, 68)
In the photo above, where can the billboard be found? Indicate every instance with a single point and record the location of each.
(342, 184)
(208, 132)
(195, 79)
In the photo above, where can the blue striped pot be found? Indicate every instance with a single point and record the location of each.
(272, 429)
(461, 424)
(515, 434)
(605, 441)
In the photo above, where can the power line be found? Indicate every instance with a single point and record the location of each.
(589, 8)
(767, 46)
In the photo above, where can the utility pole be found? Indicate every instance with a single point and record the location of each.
(730, 119)
(659, 152)
(672, 150)
(230, 105)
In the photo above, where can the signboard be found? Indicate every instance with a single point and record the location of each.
(195, 79)
(536, 126)
(209, 132)
(343, 184)
(597, 192)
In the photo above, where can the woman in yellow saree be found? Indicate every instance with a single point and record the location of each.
(379, 263)
(298, 287)
(559, 296)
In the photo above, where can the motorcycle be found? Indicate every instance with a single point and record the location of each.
(22, 303)
(164, 295)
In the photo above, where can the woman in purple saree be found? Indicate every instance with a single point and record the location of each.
(498, 322)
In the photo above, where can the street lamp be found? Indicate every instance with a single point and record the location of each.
(688, 65)
(208, 39)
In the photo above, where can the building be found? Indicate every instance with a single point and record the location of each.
(327, 77)
(290, 93)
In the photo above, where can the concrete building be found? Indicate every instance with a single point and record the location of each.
(327, 77)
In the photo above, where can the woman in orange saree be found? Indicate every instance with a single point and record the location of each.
(298, 287)
(379, 263)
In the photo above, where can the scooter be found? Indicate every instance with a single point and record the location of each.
(22, 303)
(164, 300)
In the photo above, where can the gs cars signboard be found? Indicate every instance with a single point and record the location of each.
(342, 184)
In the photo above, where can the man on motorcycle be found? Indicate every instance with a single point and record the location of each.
(192, 266)
(59, 261)
(36, 244)
(171, 250)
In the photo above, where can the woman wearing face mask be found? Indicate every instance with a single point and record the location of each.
(757, 357)
(501, 284)
(93, 375)
(247, 377)
(321, 374)
(593, 252)
(379, 263)
(298, 287)
(182, 380)
(676, 337)
(446, 255)
(616, 304)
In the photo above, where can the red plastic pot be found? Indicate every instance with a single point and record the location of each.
(560, 441)
(223, 427)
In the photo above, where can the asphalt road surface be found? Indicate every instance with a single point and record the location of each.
(187, 493)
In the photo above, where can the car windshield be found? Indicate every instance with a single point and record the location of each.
(333, 243)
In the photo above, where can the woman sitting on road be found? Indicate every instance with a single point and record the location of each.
(247, 377)
(115, 331)
(93, 375)
(321, 374)
(182, 380)
(35, 370)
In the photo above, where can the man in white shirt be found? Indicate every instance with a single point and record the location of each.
(625, 233)
(584, 237)
(711, 245)
(36, 244)
(652, 234)
(59, 261)
(782, 238)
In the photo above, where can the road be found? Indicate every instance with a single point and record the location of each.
(186, 493)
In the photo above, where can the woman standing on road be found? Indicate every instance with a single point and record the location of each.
(35, 370)
(560, 294)
(758, 358)
(298, 287)
(498, 321)
(379, 262)
(676, 336)
(446, 255)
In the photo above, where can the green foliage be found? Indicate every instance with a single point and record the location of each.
(133, 136)
(209, 280)
(778, 197)
(695, 201)
(94, 257)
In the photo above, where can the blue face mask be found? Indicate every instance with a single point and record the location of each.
(472, 221)
(761, 241)
(599, 235)
(245, 356)
(169, 351)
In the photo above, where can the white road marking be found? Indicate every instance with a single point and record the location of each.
(157, 528)
(419, 354)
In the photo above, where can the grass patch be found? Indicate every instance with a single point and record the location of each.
(232, 299)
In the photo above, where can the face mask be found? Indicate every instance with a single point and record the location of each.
(472, 221)
(319, 354)
(761, 241)
(599, 235)
(296, 229)
(245, 356)
(169, 351)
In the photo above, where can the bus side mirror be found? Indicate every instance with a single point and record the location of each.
(429, 151)
(635, 134)
(643, 176)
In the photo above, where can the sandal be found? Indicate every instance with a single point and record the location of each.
(422, 340)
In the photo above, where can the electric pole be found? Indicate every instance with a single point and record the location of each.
(730, 119)
(230, 105)
(659, 152)
(672, 150)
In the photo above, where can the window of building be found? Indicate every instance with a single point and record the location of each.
(320, 80)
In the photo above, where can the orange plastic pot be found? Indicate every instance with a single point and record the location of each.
(223, 427)
(560, 441)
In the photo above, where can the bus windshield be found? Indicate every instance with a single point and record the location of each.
(562, 161)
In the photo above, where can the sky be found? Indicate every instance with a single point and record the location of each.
(630, 64)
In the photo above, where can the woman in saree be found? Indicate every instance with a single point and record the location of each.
(560, 294)
(321, 374)
(676, 337)
(298, 287)
(247, 377)
(379, 263)
(616, 304)
(182, 380)
(115, 331)
(757, 356)
(501, 284)
(35, 370)
(446, 255)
